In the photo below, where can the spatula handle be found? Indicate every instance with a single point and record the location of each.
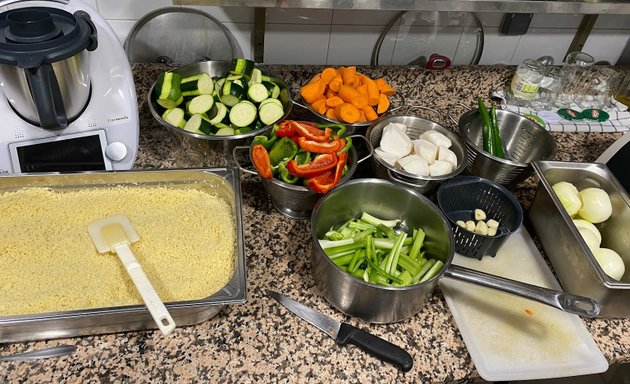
(156, 308)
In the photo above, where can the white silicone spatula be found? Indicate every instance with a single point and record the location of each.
(114, 234)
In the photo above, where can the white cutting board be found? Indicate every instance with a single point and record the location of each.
(513, 338)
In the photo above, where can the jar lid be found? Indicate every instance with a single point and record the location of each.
(30, 37)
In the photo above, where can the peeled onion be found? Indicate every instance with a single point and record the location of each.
(611, 262)
(590, 239)
(583, 224)
(569, 197)
(596, 206)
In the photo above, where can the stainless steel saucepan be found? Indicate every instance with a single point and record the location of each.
(381, 304)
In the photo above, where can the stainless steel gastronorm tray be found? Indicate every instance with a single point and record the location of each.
(576, 267)
(223, 182)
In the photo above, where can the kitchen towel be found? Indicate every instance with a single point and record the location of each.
(619, 120)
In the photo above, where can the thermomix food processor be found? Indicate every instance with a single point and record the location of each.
(67, 97)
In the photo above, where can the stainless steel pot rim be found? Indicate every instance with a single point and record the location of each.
(444, 220)
(481, 152)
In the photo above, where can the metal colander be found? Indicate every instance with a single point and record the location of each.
(525, 142)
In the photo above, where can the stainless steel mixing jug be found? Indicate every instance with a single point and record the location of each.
(44, 63)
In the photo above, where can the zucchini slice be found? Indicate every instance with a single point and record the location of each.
(167, 90)
(256, 77)
(272, 88)
(174, 116)
(200, 84)
(243, 114)
(270, 100)
(270, 113)
(241, 66)
(219, 113)
(199, 124)
(200, 104)
(257, 92)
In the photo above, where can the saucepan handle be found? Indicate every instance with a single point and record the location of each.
(235, 152)
(367, 143)
(578, 305)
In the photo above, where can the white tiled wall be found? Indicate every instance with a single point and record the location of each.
(337, 37)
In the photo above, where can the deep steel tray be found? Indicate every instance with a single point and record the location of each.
(223, 182)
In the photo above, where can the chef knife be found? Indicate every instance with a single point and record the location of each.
(345, 333)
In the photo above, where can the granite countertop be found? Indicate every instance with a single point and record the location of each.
(260, 341)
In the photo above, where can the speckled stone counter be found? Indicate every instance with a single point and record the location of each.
(260, 341)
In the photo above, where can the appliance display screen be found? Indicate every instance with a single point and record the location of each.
(73, 154)
(618, 165)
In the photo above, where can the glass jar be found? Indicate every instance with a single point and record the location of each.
(526, 80)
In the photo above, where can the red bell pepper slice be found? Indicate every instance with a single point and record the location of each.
(320, 164)
(287, 129)
(311, 132)
(260, 158)
(327, 181)
(317, 147)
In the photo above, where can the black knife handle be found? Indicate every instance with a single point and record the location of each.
(375, 346)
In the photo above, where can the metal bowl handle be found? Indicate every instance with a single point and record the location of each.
(399, 180)
(238, 164)
(369, 145)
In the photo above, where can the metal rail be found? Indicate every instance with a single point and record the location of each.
(503, 6)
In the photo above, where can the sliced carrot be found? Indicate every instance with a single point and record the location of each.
(363, 89)
(330, 113)
(370, 113)
(348, 113)
(320, 106)
(362, 118)
(372, 91)
(316, 77)
(383, 104)
(349, 75)
(328, 74)
(334, 101)
(384, 87)
(351, 95)
(312, 91)
(330, 93)
(335, 83)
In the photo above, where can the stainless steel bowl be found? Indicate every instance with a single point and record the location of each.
(525, 142)
(574, 263)
(207, 149)
(296, 201)
(415, 127)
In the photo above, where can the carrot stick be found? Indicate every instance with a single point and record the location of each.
(312, 91)
(349, 75)
(334, 101)
(383, 104)
(351, 95)
(384, 87)
(372, 91)
(328, 74)
(335, 83)
(369, 112)
(348, 113)
(319, 106)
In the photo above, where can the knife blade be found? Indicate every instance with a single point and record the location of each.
(344, 333)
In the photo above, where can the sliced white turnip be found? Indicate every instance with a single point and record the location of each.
(440, 167)
(426, 149)
(447, 155)
(414, 164)
(436, 138)
(396, 142)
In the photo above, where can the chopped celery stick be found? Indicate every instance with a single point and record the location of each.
(364, 234)
(358, 273)
(418, 241)
(423, 271)
(360, 225)
(392, 263)
(347, 233)
(409, 264)
(333, 235)
(343, 260)
(380, 273)
(389, 243)
(334, 243)
(332, 251)
(355, 259)
(390, 233)
(433, 271)
(376, 221)
(406, 278)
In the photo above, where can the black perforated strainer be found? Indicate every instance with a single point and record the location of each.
(460, 196)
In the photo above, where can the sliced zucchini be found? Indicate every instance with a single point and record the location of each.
(200, 84)
(272, 88)
(257, 92)
(200, 104)
(219, 112)
(241, 66)
(167, 90)
(243, 114)
(270, 100)
(256, 77)
(174, 116)
(199, 124)
(269, 113)
(224, 130)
